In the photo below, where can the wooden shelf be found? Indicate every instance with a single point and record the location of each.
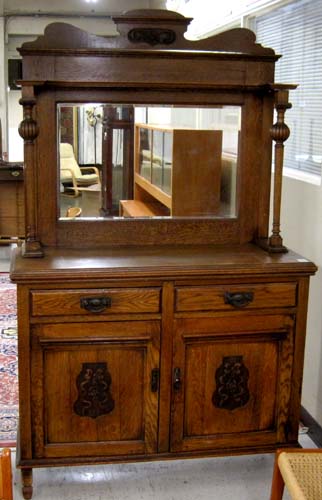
(193, 171)
(137, 208)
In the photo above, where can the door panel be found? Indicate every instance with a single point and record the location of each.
(96, 393)
(95, 384)
(222, 385)
(231, 388)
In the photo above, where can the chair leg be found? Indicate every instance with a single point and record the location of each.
(277, 482)
(5, 475)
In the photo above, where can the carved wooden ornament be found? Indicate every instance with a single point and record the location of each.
(139, 28)
(94, 397)
(231, 384)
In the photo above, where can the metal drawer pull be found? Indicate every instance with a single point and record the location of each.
(15, 173)
(239, 299)
(177, 379)
(95, 304)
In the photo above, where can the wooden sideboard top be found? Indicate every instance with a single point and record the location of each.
(155, 261)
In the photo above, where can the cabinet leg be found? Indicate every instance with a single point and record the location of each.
(26, 476)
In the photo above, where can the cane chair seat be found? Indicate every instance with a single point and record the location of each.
(301, 472)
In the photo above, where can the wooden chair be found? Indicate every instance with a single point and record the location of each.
(300, 470)
(73, 212)
(5, 475)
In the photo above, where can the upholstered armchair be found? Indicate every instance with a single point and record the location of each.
(71, 174)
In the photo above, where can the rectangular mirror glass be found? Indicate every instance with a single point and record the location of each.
(147, 161)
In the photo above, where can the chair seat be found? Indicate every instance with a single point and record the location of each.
(302, 474)
(71, 174)
(87, 179)
(73, 212)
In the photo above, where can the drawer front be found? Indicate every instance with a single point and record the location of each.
(235, 297)
(11, 174)
(95, 301)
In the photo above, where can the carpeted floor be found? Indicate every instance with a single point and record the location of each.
(8, 362)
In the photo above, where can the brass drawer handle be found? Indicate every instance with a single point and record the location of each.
(95, 304)
(15, 173)
(239, 299)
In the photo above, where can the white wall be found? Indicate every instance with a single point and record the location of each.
(301, 226)
(3, 86)
(20, 29)
(14, 118)
(27, 25)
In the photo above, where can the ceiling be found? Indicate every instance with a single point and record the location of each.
(75, 7)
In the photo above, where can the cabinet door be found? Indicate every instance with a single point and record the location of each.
(231, 382)
(95, 388)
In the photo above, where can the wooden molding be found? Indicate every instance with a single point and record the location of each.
(145, 29)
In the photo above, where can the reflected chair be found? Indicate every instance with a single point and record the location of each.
(300, 470)
(71, 174)
(5, 475)
(73, 212)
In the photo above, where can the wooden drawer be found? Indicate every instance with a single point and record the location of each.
(95, 301)
(235, 297)
(11, 173)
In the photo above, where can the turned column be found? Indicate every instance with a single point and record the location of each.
(279, 133)
(28, 130)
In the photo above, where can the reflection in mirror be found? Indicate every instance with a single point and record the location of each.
(138, 161)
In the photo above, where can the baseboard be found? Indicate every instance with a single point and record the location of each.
(315, 429)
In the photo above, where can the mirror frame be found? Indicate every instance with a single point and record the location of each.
(68, 65)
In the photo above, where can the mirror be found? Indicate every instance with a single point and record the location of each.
(147, 161)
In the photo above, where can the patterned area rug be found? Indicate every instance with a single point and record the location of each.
(8, 362)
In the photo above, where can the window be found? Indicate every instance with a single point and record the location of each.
(295, 31)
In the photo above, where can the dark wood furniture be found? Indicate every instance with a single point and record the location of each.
(12, 225)
(11, 198)
(155, 338)
(117, 178)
